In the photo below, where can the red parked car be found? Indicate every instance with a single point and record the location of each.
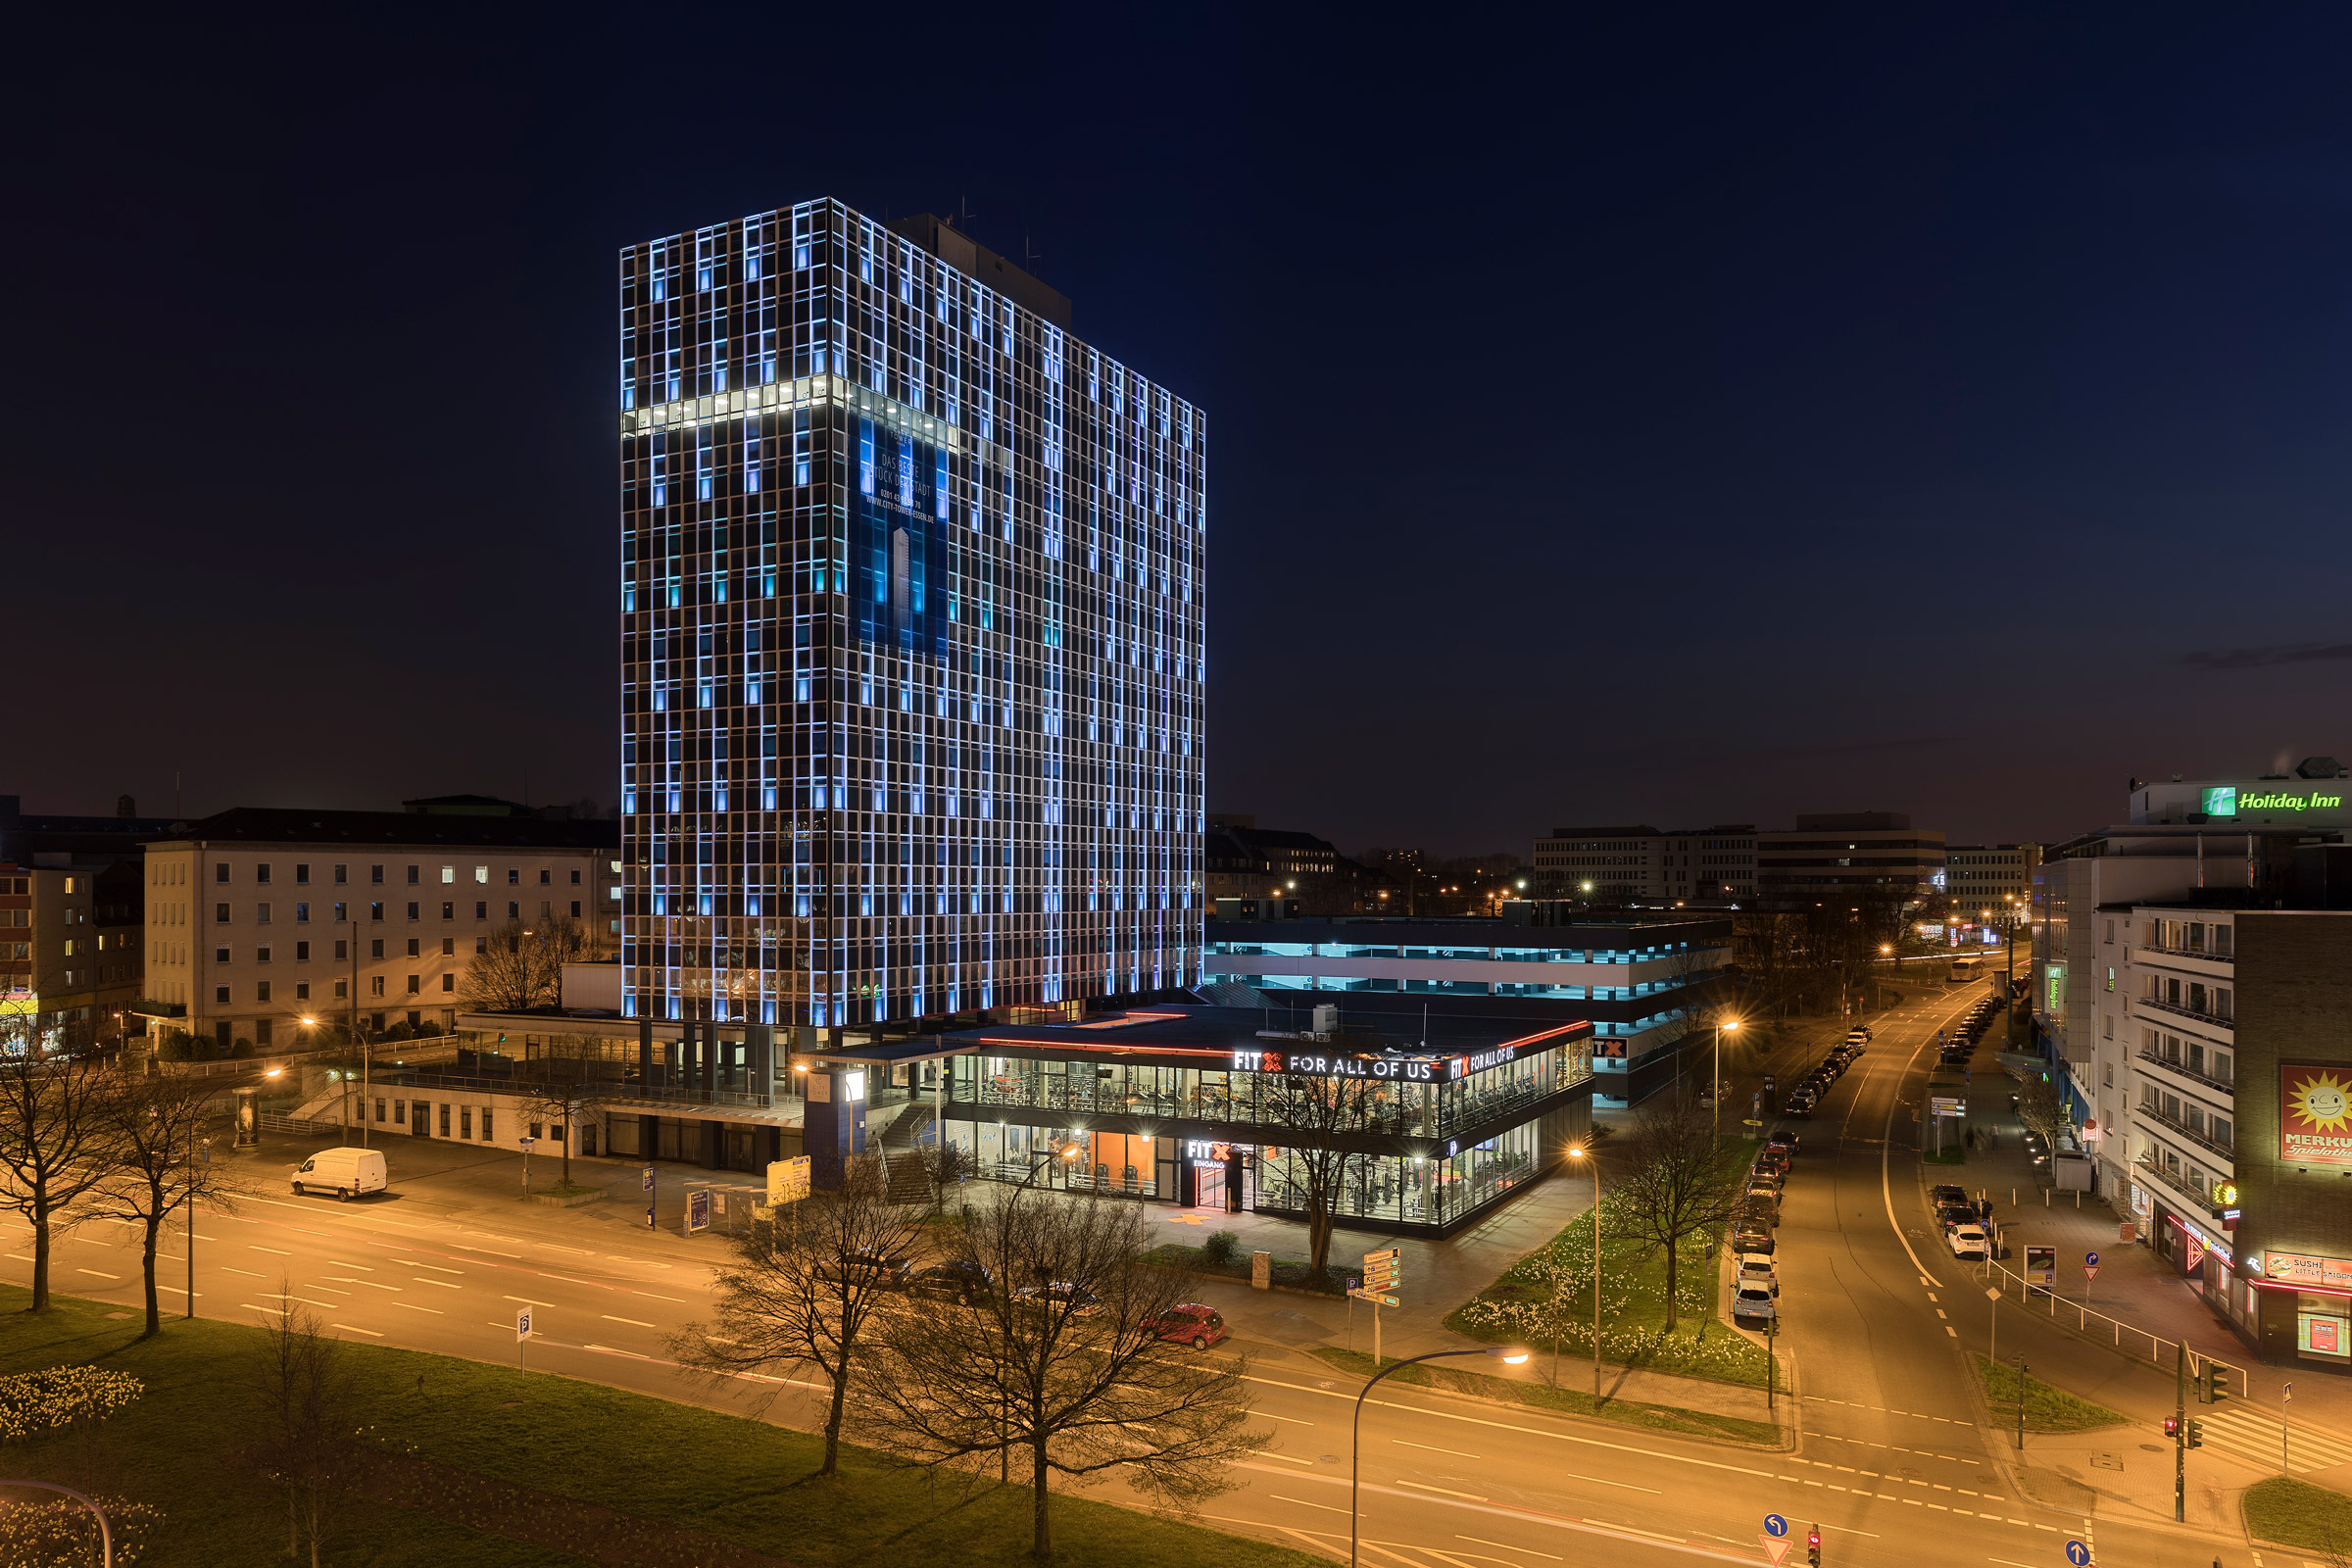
(1193, 1324)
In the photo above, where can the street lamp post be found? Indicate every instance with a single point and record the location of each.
(1580, 1151)
(1355, 1437)
(1716, 1094)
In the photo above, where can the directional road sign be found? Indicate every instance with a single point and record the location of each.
(2090, 1260)
(1374, 1296)
(1776, 1524)
(646, 1185)
(2077, 1554)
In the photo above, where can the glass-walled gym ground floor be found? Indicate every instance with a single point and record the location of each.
(1202, 1165)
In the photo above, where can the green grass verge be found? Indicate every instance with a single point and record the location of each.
(1565, 1401)
(1297, 1273)
(2047, 1409)
(2297, 1513)
(722, 1475)
(1956, 1155)
(1546, 1298)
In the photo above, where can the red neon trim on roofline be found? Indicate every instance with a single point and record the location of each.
(2306, 1289)
(1529, 1040)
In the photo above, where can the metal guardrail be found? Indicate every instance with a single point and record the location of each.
(299, 1126)
(2083, 1317)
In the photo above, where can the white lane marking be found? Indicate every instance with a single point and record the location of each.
(255, 1247)
(1456, 1453)
(1303, 1502)
(525, 1300)
(492, 1251)
(1268, 1414)
(1530, 1551)
(1631, 1531)
(175, 1289)
(610, 1318)
(437, 1268)
(248, 1273)
(287, 1296)
(650, 1294)
(356, 1329)
(366, 1268)
(1420, 1486)
(444, 1284)
(250, 1308)
(1269, 1453)
(554, 1247)
(101, 1273)
(437, 1312)
(19, 1257)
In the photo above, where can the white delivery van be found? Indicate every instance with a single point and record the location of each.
(344, 1172)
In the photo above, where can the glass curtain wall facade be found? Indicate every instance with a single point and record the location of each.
(911, 605)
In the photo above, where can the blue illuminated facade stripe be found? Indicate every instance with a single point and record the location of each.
(912, 630)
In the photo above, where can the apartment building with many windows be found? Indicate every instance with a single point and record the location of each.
(256, 918)
(1877, 857)
(912, 610)
(1640, 865)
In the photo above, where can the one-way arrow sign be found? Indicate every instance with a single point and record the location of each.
(1775, 1549)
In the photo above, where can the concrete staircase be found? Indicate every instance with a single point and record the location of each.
(902, 1145)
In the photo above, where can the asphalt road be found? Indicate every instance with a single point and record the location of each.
(1892, 1463)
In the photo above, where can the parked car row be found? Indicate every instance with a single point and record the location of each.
(1806, 1097)
(1966, 1222)
(1756, 1285)
(966, 1281)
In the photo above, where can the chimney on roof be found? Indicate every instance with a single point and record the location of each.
(125, 806)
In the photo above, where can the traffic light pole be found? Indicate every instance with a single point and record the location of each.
(2180, 1434)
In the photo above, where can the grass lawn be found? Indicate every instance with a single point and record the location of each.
(1568, 1401)
(2297, 1513)
(1956, 1154)
(1520, 1306)
(737, 1481)
(1298, 1272)
(2046, 1408)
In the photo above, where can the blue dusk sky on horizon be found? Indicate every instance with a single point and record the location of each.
(1690, 417)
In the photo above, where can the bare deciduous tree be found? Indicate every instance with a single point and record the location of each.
(803, 1288)
(1057, 1357)
(561, 1087)
(1321, 1118)
(1679, 1183)
(521, 964)
(2043, 1109)
(158, 1145)
(303, 1382)
(58, 1132)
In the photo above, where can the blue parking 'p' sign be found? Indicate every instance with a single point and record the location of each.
(1775, 1524)
(2077, 1554)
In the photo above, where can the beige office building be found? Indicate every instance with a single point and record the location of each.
(257, 918)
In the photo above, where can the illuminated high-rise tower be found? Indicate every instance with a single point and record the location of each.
(912, 622)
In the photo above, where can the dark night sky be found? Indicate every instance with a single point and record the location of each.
(1709, 419)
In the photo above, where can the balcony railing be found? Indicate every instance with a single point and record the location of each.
(2142, 1170)
(2182, 1131)
(2171, 1064)
(2220, 1020)
(2203, 954)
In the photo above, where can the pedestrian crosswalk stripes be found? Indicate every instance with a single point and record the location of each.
(2252, 1436)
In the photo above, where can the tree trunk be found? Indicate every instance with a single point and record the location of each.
(840, 1390)
(572, 1130)
(1318, 1235)
(40, 1263)
(155, 1316)
(1041, 1542)
(1671, 1301)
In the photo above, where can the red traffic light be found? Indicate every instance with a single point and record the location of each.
(1813, 1538)
(2171, 1426)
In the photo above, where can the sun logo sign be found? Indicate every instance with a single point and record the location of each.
(2314, 1122)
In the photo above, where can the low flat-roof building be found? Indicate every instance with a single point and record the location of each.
(1203, 1106)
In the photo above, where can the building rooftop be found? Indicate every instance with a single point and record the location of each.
(1185, 1031)
(255, 824)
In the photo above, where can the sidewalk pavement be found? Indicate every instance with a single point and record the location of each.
(2136, 1287)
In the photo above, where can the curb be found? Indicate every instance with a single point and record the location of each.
(1787, 1445)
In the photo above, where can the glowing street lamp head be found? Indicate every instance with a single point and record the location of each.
(1730, 1024)
(1511, 1356)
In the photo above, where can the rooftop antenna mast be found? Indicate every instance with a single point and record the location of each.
(1028, 256)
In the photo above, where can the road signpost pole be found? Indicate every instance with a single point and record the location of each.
(2287, 1396)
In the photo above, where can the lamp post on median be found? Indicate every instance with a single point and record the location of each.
(1720, 1024)
(1580, 1151)
(1355, 1436)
